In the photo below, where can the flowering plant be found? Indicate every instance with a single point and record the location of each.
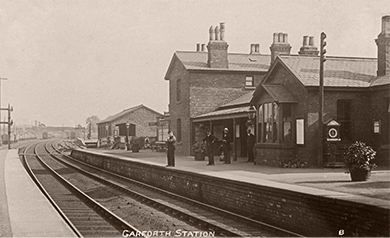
(199, 147)
(358, 156)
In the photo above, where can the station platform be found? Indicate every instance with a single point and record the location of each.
(327, 182)
(24, 210)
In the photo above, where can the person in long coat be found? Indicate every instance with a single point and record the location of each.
(210, 140)
(171, 146)
(226, 139)
(250, 139)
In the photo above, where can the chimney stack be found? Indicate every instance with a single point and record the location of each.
(280, 45)
(308, 48)
(217, 48)
(383, 44)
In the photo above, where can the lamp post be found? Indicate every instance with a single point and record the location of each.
(107, 133)
(127, 135)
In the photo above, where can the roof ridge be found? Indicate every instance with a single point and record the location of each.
(229, 53)
(330, 57)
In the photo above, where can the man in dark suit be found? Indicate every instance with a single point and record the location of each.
(171, 146)
(210, 140)
(250, 139)
(226, 145)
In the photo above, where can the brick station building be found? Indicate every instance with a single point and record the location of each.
(356, 97)
(203, 81)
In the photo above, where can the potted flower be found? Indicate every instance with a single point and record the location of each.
(136, 144)
(199, 149)
(358, 161)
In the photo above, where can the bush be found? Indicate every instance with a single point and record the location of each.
(359, 156)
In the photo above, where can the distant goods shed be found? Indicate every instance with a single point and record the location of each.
(141, 121)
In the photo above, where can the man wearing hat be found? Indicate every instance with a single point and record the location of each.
(210, 140)
(226, 145)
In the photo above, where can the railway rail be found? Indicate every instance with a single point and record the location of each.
(203, 216)
(84, 215)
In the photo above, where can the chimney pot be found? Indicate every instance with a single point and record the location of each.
(211, 33)
(280, 37)
(275, 38)
(203, 47)
(257, 48)
(386, 24)
(311, 40)
(217, 33)
(252, 49)
(197, 47)
(304, 41)
(222, 26)
(285, 38)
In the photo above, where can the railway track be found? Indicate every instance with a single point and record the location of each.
(84, 216)
(205, 217)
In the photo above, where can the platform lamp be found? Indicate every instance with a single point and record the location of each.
(251, 116)
(107, 134)
(127, 135)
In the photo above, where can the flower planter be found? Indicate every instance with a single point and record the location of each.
(200, 156)
(360, 174)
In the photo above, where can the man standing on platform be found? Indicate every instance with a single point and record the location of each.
(210, 140)
(249, 145)
(226, 145)
(171, 145)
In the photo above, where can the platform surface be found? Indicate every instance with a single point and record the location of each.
(24, 210)
(327, 182)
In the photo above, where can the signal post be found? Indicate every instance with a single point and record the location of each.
(9, 123)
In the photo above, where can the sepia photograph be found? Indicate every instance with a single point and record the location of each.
(194, 118)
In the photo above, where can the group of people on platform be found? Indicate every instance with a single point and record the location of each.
(210, 141)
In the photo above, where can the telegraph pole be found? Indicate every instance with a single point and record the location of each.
(1, 132)
(321, 102)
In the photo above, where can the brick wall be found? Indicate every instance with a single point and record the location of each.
(303, 213)
(180, 108)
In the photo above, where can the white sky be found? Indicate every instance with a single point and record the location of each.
(67, 60)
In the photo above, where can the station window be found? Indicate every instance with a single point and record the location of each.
(249, 81)
(275, 123)
(268, 114)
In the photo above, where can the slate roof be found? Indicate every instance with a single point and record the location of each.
(338, 71)
(244, 99)
(229, 111)
(382, 80)
(124, 112)
(279, 93)
(242, 62)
